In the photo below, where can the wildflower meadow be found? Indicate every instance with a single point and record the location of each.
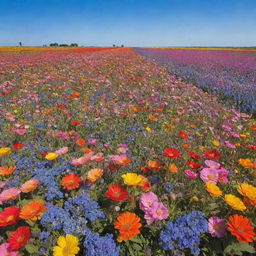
(127, 151)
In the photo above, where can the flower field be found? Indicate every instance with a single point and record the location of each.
(229, 74)
(104, 152)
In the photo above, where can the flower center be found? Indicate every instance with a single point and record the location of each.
(126, 226)
(216, 227)
(210, 176)
(10, 218)
(159, 212)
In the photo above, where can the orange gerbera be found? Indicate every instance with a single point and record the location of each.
(241, 228)
(5, 170)
(128, 224)
(154, 165)
(32, 210)
(94, 174)
(80, 142)
(71, 181)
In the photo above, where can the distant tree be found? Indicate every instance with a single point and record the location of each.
(20, 43)
(122, 45)
(63, 45)
(74, 45)
(114, 45)
(44, 45)
(54, 44)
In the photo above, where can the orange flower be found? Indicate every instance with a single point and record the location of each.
(173, 168)
(29, 186)
(86, 150)
(154, 165)
(80, 142)
(5, 170)
(240, 227)
(32, 210)
(246, 163)
(71, 181)
(128, 224)
(94, 174)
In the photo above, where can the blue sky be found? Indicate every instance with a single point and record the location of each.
(129, 22)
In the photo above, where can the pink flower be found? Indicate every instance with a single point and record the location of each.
(229, 145)
(212, 164)
(20, 131)
(9, 194)
(190, 174)
(92, 141)
(209, 175)
(2, 184)
(5, 250)
(158, 211)
(216, 227)
(62, 151)
(223, 175)
(146, 200)
(98, 157)
(82, 160)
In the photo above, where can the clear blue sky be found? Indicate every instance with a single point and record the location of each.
(129, 22)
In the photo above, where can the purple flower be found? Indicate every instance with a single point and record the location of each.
(190, 174)
(212, 164)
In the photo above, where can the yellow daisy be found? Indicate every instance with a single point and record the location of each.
(66, 246)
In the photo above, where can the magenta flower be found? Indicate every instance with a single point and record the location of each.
(216, 227)
(5, 250)
(209, 175)
(9, 194)
(92, 141)
(146, 201)
(212, 164)
(190, 174)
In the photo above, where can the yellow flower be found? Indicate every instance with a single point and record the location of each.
(67, 246)
(131, 179)
(246, 163)
(51, 156)
(148, 129)
(247, 190)
(242, 135)
(94, 174)
(212, 189)
(4, 151)
(235, 202)
(216, 143)
(195, 199)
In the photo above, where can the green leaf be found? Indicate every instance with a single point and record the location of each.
(31, 248)
(238, 249)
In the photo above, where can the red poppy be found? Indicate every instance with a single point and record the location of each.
(171, 153)
(75, 122)
(18, 146)
(211, 154)
(193, 165)
(9, 216)
(193, 155)
(71, 181)
(19, 238)
(116, 193)
(183, 135)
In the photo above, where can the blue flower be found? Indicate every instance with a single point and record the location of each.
(96, 245)
(168, 187)
(184, 232)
